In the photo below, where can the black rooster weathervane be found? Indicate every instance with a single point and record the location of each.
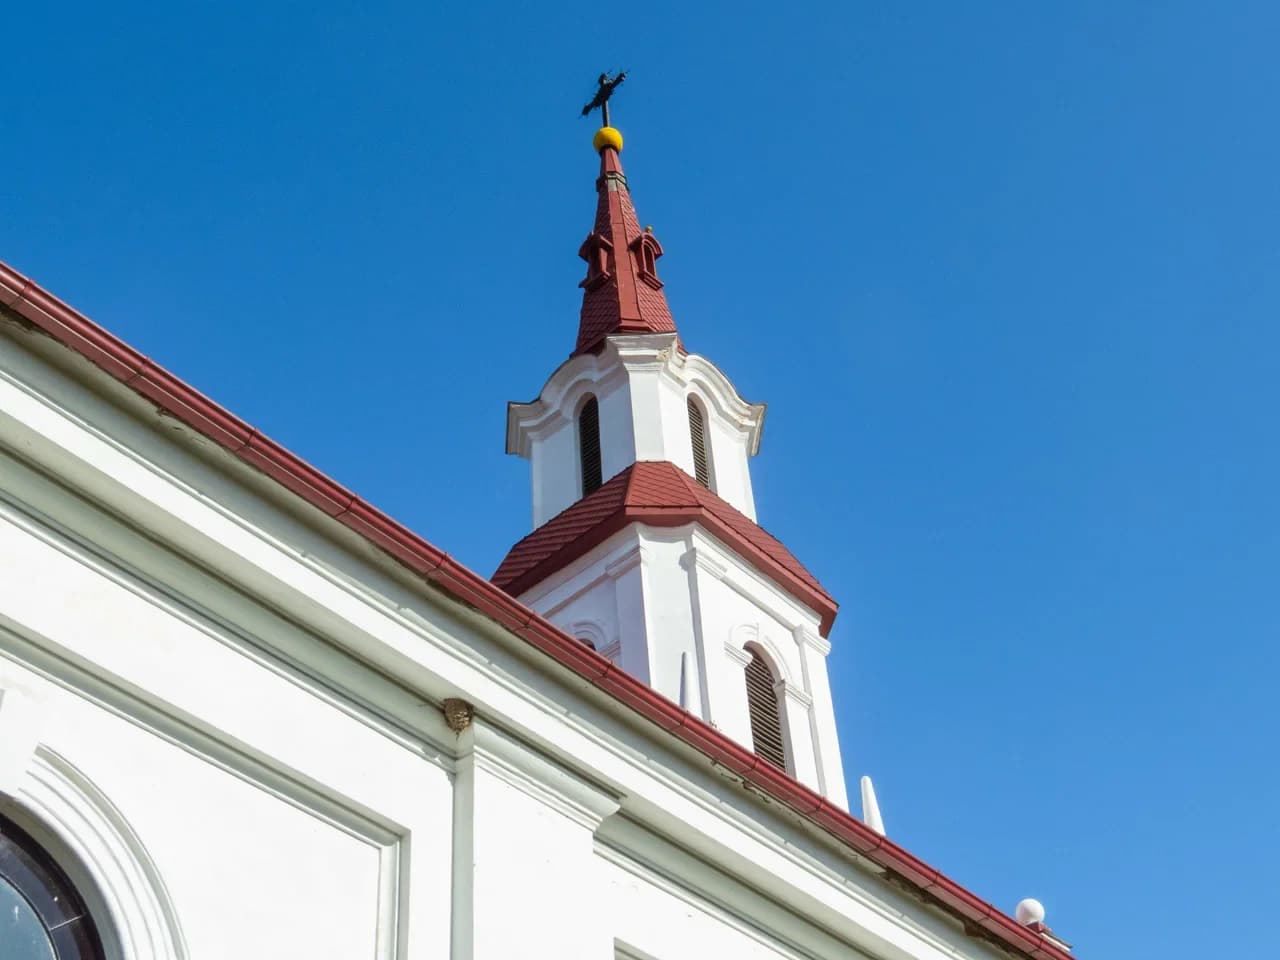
(606, 85)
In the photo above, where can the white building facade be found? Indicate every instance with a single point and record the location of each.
(244, 714)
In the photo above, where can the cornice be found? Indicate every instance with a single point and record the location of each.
(519, 766)
(701, 559)
(628, 561)
(805, 637)
(531, 420)
(795, 693)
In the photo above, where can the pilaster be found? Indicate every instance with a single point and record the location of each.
(813, 660)
(524, 859)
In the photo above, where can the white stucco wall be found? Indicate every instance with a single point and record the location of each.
(222, 713)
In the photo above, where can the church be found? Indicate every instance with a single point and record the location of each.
(244, 713)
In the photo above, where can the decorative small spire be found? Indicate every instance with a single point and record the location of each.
(686, 681)
(621, 291)
(871, 808)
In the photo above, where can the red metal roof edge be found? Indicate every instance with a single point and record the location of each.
(188, 405)
(817, 600)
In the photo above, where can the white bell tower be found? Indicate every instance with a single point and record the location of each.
(645, 543)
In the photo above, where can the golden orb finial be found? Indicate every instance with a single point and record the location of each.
(607, 137)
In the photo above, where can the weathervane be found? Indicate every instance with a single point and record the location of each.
(606, 85)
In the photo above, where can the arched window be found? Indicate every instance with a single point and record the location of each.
(762, 703)
(589, 445)
(42, 917)
(701, 446)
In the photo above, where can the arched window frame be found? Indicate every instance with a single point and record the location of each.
(647, 250)
(587, 422)
(31, 870)
(764, 708)
(700, 442)
(596, 250)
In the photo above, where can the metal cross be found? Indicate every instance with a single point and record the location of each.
(606, 85)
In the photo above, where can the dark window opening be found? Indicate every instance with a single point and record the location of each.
(589, 445)
(650, 262)
(698, 438)
(766, 721)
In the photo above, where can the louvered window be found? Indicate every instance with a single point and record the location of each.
(589, 445)
(698, 437)
(766, 721)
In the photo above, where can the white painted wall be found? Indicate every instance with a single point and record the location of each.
(221, 712)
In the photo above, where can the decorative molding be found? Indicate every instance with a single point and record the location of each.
(519, 766)
(737, 654)
(104, 857)
(590, 632)
(336, 688)
(616, 568)
(794, 693)
(625, 853)
(611, 651)
(330, 806)
(701, 559)
(20, 722)
(745, 580)
(750, 633)
(532, 420)
(582, 575)
(806, 637)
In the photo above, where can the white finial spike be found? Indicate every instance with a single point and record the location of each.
(1029, 911)
(871, 809)
(686, 682)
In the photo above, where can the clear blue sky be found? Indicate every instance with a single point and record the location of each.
(1006, 274)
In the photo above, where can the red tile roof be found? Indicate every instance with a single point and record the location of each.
(175, 398)
(659, 494)
(623, 297)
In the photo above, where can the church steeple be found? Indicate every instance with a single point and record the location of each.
(621, 291)
(645, 543)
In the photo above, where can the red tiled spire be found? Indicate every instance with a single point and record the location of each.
(621, 292)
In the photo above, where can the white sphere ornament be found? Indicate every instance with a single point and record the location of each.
(1029, 911)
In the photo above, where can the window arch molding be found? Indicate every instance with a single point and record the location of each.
(88, 838)
(749, 634)
(591, 633)
(702, 377)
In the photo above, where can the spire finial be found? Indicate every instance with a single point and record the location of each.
(606, 136)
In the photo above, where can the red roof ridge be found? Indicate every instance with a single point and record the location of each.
(621, 292)
(661, 494)
(184, 403)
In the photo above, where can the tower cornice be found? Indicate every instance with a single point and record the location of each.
(619, 357)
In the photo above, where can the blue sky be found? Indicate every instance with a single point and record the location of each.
(1006, 274)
